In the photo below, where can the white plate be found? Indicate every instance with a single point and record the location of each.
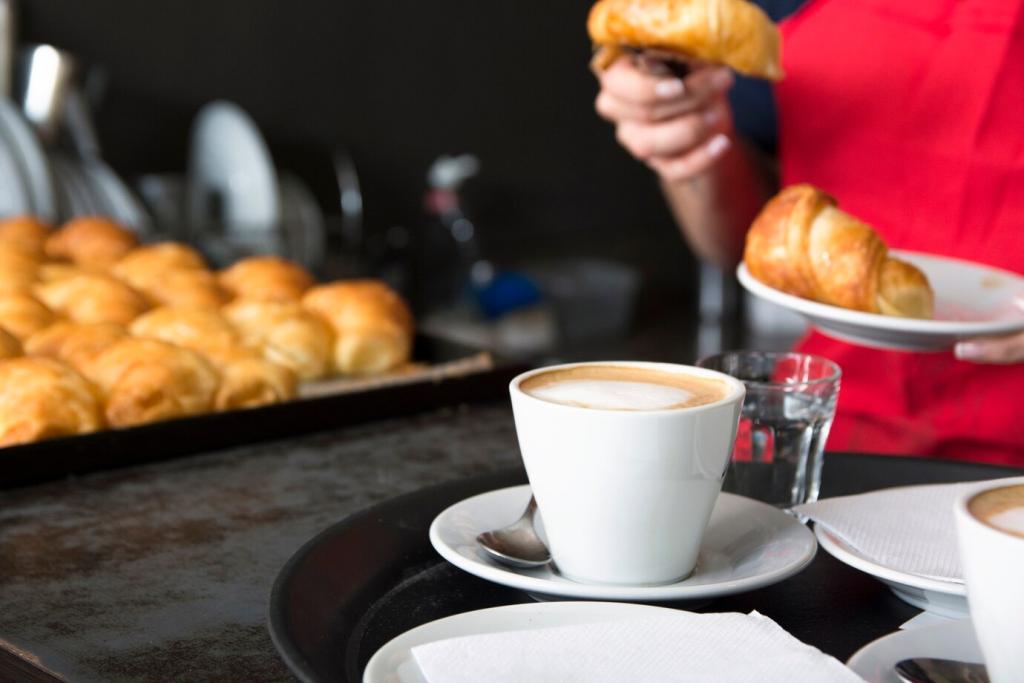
(747, 545)
(947, 598)
(952, 640)
(394, 662)
(230, 159)
(15, 198)
(971, 300)
(32, 159)
(119, 201)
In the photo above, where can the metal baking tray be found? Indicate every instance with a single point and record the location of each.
(442, 373)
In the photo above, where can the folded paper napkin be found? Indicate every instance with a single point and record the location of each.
(910, 529)
(670, 647)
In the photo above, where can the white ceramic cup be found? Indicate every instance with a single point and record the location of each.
(993, 562)
(625, 496)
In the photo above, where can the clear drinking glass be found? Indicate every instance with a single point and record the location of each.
(790, 403)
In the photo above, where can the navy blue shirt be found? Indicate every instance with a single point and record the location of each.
(752, 100)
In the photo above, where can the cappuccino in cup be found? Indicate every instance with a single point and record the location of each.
(990, 533)
(626, 461)
(617, 387)
(1001, 508)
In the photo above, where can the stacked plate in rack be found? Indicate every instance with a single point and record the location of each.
(57, 187)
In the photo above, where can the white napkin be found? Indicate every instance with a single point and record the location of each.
(909, 529)
(673, 647)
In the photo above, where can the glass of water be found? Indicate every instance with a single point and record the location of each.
(791, 400)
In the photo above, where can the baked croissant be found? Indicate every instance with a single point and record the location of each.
(43, 398)
(18, 268)
(74, 343)
(26, 233)
(145, 380)
(90, 241)
(199, 329)
(171, 274)
(92, 298)
(266, 278)
(10, 347)
(286, 333)
(736, 33)
(249, 380)
(372, 325)
(22, 314)
(802, 244)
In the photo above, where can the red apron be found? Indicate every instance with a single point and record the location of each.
(911, 112)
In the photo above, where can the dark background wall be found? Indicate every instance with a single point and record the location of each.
(397, 83)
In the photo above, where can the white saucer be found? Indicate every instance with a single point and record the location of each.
(394, 662)
(747, 545)
(971, 300)
(229, 158)
(946, 598)
(952, 640)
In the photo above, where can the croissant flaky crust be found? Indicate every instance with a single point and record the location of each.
(802, 244)
(266, 278)
(145, 380)
(90, 241)
(372, 325)
(74, 343)
(732, 32)
(43, 398)
(92, 298)
(286, 334)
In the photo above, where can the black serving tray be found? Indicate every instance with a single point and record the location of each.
(446, 374)
(373, 576)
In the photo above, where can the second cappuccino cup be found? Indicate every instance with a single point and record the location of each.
(626, 460)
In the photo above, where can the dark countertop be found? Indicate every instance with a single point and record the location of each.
(162, 572)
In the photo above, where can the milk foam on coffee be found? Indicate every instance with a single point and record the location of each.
(1002, 508)
(612, 387)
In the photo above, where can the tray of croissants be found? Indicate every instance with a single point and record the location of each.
(99, 332)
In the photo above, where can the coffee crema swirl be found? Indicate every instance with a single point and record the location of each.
(1001, 508)
(620, 387)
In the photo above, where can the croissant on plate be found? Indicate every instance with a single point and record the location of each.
(43, 398)
(373, 327)
(802, 244)
(736, 33)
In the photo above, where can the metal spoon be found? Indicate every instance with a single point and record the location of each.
(517, 545)
(927, 670)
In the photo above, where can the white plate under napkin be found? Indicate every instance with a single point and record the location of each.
(971, 300)
(595, 642)
(747, 545)
(904, 536)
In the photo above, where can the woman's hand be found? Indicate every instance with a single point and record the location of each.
(678, 126)
(1000, 350)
